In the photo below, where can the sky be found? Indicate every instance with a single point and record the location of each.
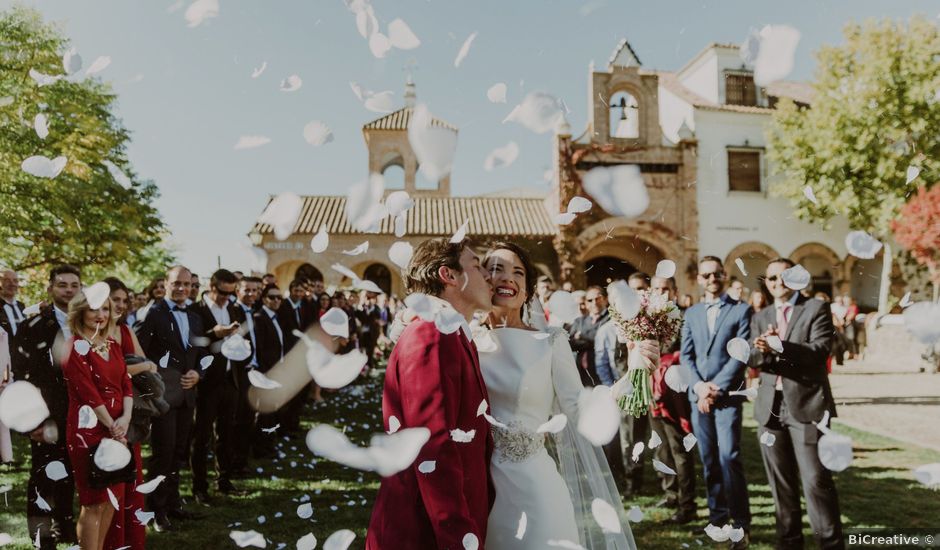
(187, 93)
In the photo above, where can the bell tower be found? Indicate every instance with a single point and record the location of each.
(624, 101)
(391, 155)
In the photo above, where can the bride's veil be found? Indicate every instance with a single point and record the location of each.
(587, 475)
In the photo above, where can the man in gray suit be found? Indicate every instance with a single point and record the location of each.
(794, 394)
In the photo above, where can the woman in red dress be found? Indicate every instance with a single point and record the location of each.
(96, 376)
(126, 530)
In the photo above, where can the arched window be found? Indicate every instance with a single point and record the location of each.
(604, 270)
(394, 175)
(380, 275)
(624, 116)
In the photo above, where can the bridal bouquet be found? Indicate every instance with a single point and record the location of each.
(640, 316)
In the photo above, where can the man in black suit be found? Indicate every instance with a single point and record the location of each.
(369, 317)
(794, 394)
(12, 314)
(217, 393)
(294, 314)
(583, 332)
(248, 293)
(39, 345)
(173, 337)
(271, 337)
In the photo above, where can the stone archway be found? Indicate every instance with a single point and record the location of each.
(754, 255)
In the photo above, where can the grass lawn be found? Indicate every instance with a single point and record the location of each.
(878, 490)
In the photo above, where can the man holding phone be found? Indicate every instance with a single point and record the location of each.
(217, 394)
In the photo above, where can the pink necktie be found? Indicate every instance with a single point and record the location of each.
(782, 331)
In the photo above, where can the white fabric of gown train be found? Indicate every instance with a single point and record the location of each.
(529, 375)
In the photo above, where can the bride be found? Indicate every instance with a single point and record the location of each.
(530, 375)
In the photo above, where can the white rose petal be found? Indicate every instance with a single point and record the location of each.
(427, 466)
(928, 474)
(282, 214)
(55, 470)
(320, 241)
(912, 173)
(554, 425)
(796, 277)
(113, 499)
(111, 455)
(775, 343)
(400, 253)
(739, 349)
(43, 79)
(605, 516)
(248, 538)
(22, 407)
(638, 449)
(655, 441)
(523, 523)
(434, 146)
(43, 167)
(257, 72)
(147, 488)
(340, 540)
(497, 93)
(394, 424)
(460, 436)
(689, 441)
(364, 208)
(305, 511)
(99, 64)
(624, 299)
(768, 439)
(82, 347)
(563, 306)
(922, 321)
(71, 61)
(471, 542)
(361, 249)
(660, 467)
(810, 195)
(666, 269)
(292, 83)
(620, 190)
(775, 55)
(862, 245)
(578, 205)
(740, 263)
(41, 126)
(335, 322)
(539, 112)
(401, 36)
(599, 420)
(501, 156)
(317, 133)
(96, 294)
(251, 142)
(635, 515)
(236, 348)
(200, 11)
(87, 419)
(143, 517)
(259, 380)
(464, 49)
(387, 455)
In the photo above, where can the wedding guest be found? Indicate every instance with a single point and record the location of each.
(217, 392)
(638, 281)
(851, 314)
(125, 529)
(793, 396)
(293, 316)
(736, 289)
(325, 305)
(248, 295)
(544, 287)
(685, 302)
(194, 289)
(6, 377)
(583, 331)
(96, 376)
(171, 334)
(12, 314)
(578, 297)
(757, 301)
(272, 340)
(716, 415)
(37, 359)
(369, 318)
(385, 314)
(671, 419)
(156, 290)
(268, 279)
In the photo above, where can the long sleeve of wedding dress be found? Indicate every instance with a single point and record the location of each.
(583, 466)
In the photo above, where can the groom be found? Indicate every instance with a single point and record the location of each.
(434, 381)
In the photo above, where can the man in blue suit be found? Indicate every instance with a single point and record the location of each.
(716, 415)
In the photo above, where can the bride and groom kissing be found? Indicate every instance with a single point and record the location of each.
(485, 478)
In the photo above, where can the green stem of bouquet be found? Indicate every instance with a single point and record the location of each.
(639, 401)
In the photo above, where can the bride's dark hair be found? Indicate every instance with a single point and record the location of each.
(531, 272)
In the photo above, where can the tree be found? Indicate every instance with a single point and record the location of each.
(875, 114)
(97, 213)
(917, 229)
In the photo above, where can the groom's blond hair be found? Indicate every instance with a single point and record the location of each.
(428, 257)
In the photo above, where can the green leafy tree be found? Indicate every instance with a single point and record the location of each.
(97, 213)
(873, 120)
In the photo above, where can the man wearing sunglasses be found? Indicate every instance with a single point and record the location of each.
(217, 393)
(792, 344)
(716, 415)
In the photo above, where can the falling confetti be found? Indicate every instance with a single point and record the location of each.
(43, 167)
(501, 156)
(740, 263)
(796, 277)
(200, 11)
(22, 407)
(497, 93)
(401, 36)
(554, 424)
(291, 84)
(320, 241)
(539, 112)
(862, 245)
(251, 142)
(619, 190)
(775, 47)
(810, 195)
(400, 253)
(666, 269)
(605, 516)
(739, 349)
(317, 133)
(98, 65)
(464, 49)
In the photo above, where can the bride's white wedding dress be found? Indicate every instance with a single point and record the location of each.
(529, 376)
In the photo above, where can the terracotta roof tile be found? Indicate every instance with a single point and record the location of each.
(489, 217)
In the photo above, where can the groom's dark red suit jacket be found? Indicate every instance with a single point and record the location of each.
(434, 380)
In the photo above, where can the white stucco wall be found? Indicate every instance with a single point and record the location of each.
(672, 111)
(702, 76)
(728, 219)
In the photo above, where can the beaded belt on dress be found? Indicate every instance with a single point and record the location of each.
(515, 443)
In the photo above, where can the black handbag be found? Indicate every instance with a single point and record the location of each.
(102, 479)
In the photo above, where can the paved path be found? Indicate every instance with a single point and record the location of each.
(888, 401)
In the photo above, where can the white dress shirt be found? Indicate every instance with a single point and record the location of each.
(222, 317)
(182, 320)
